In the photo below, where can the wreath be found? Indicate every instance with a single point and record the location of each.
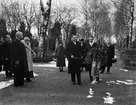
(94, 54)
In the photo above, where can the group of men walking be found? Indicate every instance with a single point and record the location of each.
(77, 51)
(16, 56)
(15, 59)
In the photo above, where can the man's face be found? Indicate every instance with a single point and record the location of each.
(108, 42)
(2, 40)
(91, 39)
(20, 36)
(74, 38)
(8, 38)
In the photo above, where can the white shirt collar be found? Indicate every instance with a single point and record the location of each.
(74, 42)
(91, 43)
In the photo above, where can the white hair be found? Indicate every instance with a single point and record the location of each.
(18, 34)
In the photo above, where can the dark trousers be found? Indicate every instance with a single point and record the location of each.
(89, 69)
(103, 69)
(18, 76)
(0, 68)
(1, 63)
(8, 68)
(73, 77)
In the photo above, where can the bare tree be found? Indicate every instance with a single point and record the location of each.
(46, 17)
(28, 12)
(12, 13)
(85, 12)
(38, 20)
(125, 10)
(65, 15)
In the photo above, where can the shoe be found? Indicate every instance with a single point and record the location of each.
(91, 79)
(73, 83)
(97, 79)
(15, 85)
(19, 85)
(101, 72)
(80, 84)
(61, 70)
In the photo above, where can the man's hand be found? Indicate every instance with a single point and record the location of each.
(72, 56)
(34, 54)
(6, 58)
(17, 62)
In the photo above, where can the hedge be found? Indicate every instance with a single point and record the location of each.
(128, 58)
(42, 59)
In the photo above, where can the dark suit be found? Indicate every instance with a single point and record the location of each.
(19, 54)
(74, 64)
(83, 46)
(60, 52)
(1, 56)
(87, 49)
(7, 55)
(110, 52)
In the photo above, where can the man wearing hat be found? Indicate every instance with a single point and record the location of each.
(73, 53)
(83, 52)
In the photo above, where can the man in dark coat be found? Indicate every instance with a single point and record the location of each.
(7, 56)
(110, 52)
(90, 45)
(20, 65)
(60, 53)
(83, 46)
(73, 52)
(1, 52)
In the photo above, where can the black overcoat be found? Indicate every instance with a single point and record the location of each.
(19, 54)
(110, 54)
(7, 55)
(60, 53)
(1, 55)
(83, 48)
(74, 64)
(88, 47)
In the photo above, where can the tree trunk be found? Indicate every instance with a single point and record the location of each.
(127, 41)
(48, 43)
(131, 25)
(44, 47)
(46, 18)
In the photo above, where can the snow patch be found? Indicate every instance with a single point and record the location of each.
(5, 84)
(108, 99)
(127, 82)
(35, 75)
(124, 70)
(2, 72)
(91, 93)
(119, 82)
(94, 82)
